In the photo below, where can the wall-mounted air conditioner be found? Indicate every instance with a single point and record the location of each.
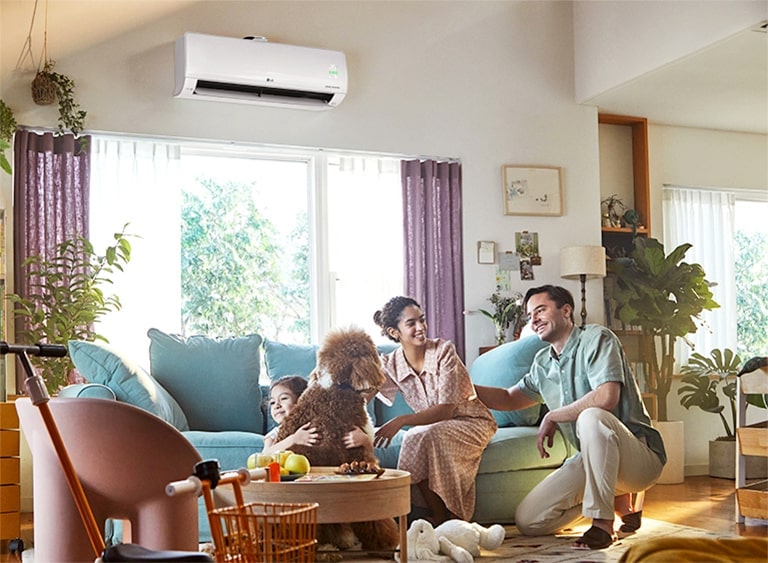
(255, 71)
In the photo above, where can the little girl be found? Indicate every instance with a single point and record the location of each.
(283, 394)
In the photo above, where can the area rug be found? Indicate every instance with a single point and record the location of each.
(557, 549)
(546, 549)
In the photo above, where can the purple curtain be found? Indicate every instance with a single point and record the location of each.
(50, 197)
(434, 270)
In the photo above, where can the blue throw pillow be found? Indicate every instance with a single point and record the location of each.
(504, 366)
(99, 363)
(215, 380)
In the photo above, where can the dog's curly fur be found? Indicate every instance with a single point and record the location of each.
(348, 368)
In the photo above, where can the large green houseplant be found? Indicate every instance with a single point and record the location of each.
(66, 298)
(665, 297)
(702, 377)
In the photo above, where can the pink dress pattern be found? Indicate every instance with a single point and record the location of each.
(447, 453)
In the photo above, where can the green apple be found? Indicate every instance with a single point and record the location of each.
(297, 463)
(251, 463)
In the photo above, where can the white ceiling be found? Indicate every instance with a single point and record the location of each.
(724, 86)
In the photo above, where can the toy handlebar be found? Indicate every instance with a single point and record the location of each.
(39, 349)
(193, 484)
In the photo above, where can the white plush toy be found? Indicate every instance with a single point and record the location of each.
(454, 540)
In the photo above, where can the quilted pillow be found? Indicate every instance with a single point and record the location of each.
(504, 366)
(215, 380)
(99, 363)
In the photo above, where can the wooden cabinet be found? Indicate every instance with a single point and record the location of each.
(618, 240)
(10, 473)
(752, 500)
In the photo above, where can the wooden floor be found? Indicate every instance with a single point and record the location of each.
(701, 502)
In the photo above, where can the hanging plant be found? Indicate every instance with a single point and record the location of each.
(8, 127)
(49, 86)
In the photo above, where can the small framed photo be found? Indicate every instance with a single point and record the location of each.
(532, 190)
(486, 252)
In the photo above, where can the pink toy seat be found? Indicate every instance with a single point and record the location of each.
(124, 457)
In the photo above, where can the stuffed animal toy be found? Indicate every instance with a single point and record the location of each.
(453, 540)
(348, 369)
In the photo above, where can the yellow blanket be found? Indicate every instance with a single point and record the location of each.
(698, 550)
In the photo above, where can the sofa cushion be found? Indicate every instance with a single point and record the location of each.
(504, 366)
(289, 359)
(231, 449)
(215, 380)
(515, 449)
(99, 363)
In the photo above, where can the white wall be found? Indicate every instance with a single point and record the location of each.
(487, 82)
(616, 41)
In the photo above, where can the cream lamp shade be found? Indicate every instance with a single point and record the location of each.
(582, 263)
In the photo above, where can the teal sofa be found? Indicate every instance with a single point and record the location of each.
(210, 390)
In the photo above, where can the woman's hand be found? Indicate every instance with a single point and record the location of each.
(307, 435)
(386, 432)
(356, 438)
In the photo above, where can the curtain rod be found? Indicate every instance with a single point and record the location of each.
(740, 193)
(251, 144)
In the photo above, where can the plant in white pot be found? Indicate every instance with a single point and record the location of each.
(702, 376)
(665, 297)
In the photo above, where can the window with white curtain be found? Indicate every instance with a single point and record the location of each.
(311, 239)
(712, 220)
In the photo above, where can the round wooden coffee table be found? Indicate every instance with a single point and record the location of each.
(343, 498)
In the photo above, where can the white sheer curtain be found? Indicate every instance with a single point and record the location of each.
(137, 182)
(705, 219)
(365, 253)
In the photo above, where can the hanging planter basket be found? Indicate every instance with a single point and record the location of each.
(43, 89)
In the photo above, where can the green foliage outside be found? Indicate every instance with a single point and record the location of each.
(236, 276)
(752, 294)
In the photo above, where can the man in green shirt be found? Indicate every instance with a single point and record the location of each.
(593, 399)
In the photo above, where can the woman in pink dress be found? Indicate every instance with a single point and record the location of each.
(449, 428)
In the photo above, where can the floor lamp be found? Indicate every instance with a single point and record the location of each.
(582, 263)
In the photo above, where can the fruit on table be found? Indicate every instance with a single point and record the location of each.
(297, 463)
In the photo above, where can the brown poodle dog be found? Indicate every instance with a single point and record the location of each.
(348, 369)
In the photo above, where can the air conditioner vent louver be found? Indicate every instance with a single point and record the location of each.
(226, 69)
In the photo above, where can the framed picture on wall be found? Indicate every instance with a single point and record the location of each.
(532, 190)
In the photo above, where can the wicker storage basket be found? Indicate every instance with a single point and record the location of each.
(265, 532)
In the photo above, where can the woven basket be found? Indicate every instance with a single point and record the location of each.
(43, 89)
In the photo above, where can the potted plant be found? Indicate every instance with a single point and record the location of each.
(49, 86)
(8, 127)
(614, 208)
(507, 312)
(664, 297)
(702, 376)
(66, 298)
